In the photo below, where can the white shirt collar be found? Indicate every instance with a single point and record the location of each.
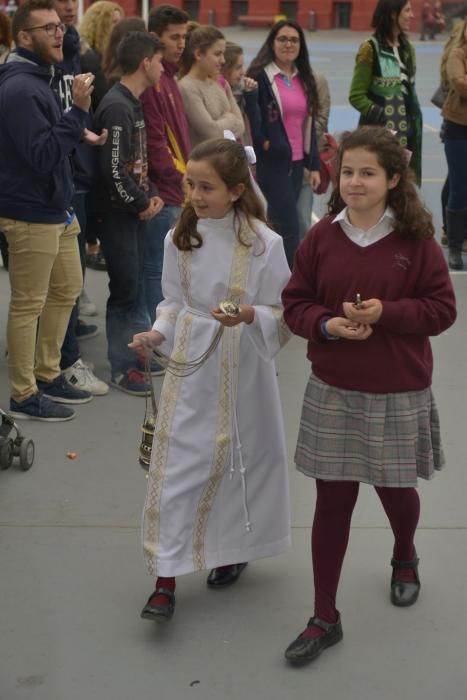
(272, 69)
(365, 238)
(343, 216)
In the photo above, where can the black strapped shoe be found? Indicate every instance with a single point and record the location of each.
(303, 650)
(225, 575)
(162, 612)
(404, 593)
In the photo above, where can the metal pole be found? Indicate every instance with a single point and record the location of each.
(145, 10)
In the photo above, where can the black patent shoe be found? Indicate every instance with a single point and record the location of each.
(225, 575)
(404, 593)
(163, 611)
(303, 650)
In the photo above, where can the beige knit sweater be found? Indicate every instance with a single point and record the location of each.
(210, 109)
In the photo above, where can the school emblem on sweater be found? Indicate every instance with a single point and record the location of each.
(401, 261)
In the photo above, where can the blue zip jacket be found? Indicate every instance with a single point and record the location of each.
(36, 142)
(267, 128)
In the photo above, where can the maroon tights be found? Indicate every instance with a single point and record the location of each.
(335, 502)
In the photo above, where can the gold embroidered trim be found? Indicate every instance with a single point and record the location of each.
(221, 453)
(167, 314)
(283, 330)
(162, 431)
(184, 268)
(227, 383)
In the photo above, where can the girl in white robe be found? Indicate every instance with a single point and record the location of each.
(217, 489)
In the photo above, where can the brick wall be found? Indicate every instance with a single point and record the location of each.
(361, 11)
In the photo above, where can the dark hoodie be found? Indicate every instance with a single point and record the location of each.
(84, 157)
(36, 141)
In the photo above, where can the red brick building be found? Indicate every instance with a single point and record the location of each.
(319, 14)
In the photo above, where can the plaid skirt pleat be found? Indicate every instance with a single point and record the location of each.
(378, 439)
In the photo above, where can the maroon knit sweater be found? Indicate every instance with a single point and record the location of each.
(409, 277)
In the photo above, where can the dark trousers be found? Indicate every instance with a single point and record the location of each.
(70, 348)
(456, 156)
(444, 201)
(281, 184)
(122, 239)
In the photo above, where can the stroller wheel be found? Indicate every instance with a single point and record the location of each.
(26, 454)
(6, 455)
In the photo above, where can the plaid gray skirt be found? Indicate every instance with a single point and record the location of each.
(379, 439)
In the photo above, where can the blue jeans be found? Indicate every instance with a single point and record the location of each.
(70, 347)
(150, 287)
(122, 238)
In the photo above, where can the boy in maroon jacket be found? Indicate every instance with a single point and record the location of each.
(167, 141)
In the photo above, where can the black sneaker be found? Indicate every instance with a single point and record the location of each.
(84, 331)
(95, 261)
(61, 391)
(132, 382)
(39, 407)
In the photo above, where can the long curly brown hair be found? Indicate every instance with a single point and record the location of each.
(229, 160)
(412, 219)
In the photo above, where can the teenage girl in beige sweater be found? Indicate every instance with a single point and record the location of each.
(210, 108)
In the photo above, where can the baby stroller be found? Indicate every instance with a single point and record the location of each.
(14, 444)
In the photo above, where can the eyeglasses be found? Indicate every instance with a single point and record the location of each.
(50, 29)
(294, 40)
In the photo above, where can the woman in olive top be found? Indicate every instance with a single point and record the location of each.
(383, 83)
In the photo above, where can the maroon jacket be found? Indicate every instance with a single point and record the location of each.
(163, 105)
(409, 277)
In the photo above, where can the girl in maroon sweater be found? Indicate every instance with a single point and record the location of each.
(368, 288)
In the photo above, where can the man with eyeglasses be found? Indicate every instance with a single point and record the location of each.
(36, 192)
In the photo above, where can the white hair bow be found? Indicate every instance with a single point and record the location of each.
(251, 158)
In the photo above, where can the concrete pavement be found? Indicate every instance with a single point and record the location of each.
(72, 581)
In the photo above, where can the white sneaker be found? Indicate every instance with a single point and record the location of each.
(86, 306)
(81, 376)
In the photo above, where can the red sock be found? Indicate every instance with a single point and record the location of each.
(160, 598)
(406, 575)
(313, 632)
